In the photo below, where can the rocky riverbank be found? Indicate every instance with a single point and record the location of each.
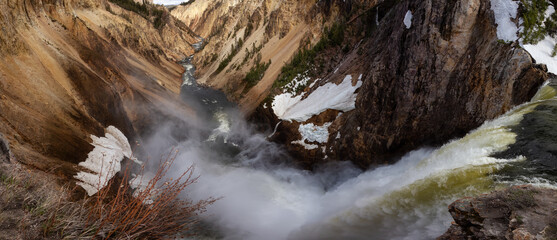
(518, 213)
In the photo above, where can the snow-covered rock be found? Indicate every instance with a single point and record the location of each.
(542, 53)
(103, 161)
(340, 97)
(504, 11)
(312, 133)
(408, 19)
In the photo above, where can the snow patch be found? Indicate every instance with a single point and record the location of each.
(504, 10)
(542, 51)
(104, 161)
(408, 19)
(329, 96)
(313, 133)
(301, 80)
(313, 83)
(306, 146)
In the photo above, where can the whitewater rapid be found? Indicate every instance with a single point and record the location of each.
(264, 197)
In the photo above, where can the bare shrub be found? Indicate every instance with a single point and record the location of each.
(156, 211)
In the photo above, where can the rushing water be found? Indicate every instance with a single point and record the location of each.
(264, 197)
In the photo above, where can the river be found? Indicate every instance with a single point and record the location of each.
(265, 197)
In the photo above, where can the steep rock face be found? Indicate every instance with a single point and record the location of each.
(522, 212)
(71, 68)
(439, 79)
(443, 75)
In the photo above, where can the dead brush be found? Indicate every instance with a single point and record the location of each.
(155, 212)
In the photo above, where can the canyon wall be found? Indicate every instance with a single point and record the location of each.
(71, 68)
(429, 70)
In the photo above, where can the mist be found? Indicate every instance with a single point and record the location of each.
(263, 195)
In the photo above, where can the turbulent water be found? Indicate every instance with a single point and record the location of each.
(263, 197)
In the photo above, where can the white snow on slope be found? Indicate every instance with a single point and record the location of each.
(104, 160)
(313, 133)
(504, 10)
(301, 80)
(329, 96)
(408, 19)
(541, 52)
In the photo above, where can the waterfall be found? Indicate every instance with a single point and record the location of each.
(265, 197)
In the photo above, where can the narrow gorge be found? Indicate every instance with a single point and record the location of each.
(278, 119)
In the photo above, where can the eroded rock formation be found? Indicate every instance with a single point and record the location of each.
(521, 212)
(71, 68)
(423, 84)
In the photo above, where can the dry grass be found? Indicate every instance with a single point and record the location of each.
(115, 212)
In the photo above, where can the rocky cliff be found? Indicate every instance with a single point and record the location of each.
(434, 80)
(521, 212)
(71, 68)
(424, 71)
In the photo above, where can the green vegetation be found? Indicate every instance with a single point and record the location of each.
(130, 5)
(146, 11)
(536, 25)
(235, 49)
(255, 74)
(187, 3)
(211, 59)
(7, 180)
(251, 53)
(305, 58)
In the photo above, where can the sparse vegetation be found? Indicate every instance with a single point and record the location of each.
(234, 50)
(255, 74)
(115, 212)
(250, 53)
(305, 58)
(149, 12)
(187, 3)
(130, 5)
(535, 24)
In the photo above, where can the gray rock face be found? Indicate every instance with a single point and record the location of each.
(522, 212)
(434, 81)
